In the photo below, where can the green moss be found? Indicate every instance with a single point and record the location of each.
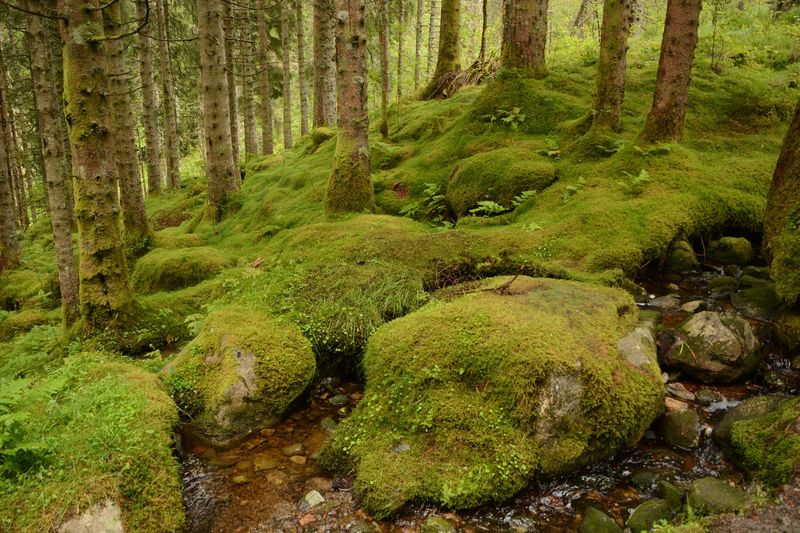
(244, 368)
(786, 266)
(467, 399)
(681, 258)
(731, 250)
(499, 176)
(25, 288)
(320, 135)
(169, 269)
(21, 321)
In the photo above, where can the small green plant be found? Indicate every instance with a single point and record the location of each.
(552, 151)
(634, 184)
(523, 198)
(488, 208)
(512, 118)
(572, 190)
(431, 206)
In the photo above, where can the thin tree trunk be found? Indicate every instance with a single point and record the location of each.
(432, 38)
(264, 89)
(640, 17)
(525, 36)
(287, 76)
(448, 61)
(10, 139)
(230, 74)
(349, 186)
(57, 60)
(580, 18)
(484, 21)
(49, 117)
(223, 176)
(383, 44)
(137, 228)
(301, 68)
(9, 247)
(105, 290)
(418, 45)
(667, 115)
(152, 137)
(324, 64)
(248, 106)
(400, 33)
(168, 98)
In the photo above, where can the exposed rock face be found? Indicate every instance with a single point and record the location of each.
(714, 347)
(104, 517)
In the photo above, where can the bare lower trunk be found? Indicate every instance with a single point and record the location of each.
(264, 89)
(301, 68)
(400, 33)
(248, 75)
(9, 137)
(349, 186)
(105, 291)
(223, 177)
(287, 77)
(667, 115)
(525, 36)
(230, 74)
(168, 99)
(418, 45)
(432, 38)
(581, 17)
(152, 138)
(324, 64)
(9, 248)
(42, 46)
(383, 44)
(448, 60)
(484, 20)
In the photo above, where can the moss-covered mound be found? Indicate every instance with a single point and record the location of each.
(786, 264)
(242, 370)
(166, 269)
(466, 399)
(19, 322)
(498, 176)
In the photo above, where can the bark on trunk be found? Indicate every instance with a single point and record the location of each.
(287, 76)
(383, 44)
(264, 90)
(9, 248)
(400, 32)
(230, 75)
(484, 21)
(525, 36)
(223, 176)
(137, 229)
(324, 64)
(248, 75)
(152, 136)
(667, 116)
(448, 60)
(168, 99)
(349, 186)
(301, 68)
(580, 18)
(418, 45)
(432, 38)
(105, 291)
(48, 114)
(10, 138)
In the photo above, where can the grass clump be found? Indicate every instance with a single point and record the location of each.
(466, 399)
(166, 269)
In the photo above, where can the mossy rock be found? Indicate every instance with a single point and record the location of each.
(322, 134)
(681, 429)
(596, 521)
(244, 369)
(681, 258)
(22, 288)
(710, 495)
(731, 250)
(760, 302)
(467, 399)
(20, 322)
(648, 513)
(171, 269)
(787, 328)
(498, 176)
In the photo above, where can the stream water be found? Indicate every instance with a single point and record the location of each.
(260, 484)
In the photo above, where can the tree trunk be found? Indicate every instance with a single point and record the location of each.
(640, 17)
(152, 137)
(168, 99)
(230, 75)
(448, 61)
(349, 186)
(264, 90)
(525, 36)
(56, 181)
(484, 21)
(610, 82)
(9, 247)
(10, 138)
(400, 32)
(301, 69)
(57, 60)
(580, 18)
(248, 77)
(667, 115)
(137, 228)
(287, 76)
(383, 44)
(432, 38)
(105, 291)
(324, 64)
(418, 45)
(223, 176)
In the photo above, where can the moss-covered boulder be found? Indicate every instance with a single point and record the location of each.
(498, 176)
(169, 269)
(243, 370)
(19, 322)
(596, 521)
(713, 496)
(681, 258)
(648, 513)
(718, 347)
(468, 398)
(787, 328)
(731, 250)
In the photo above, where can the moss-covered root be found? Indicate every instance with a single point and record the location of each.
(467, 399)
(349, 187)
(242, 370)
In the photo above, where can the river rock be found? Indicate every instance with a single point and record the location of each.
(263, 462)
(707, 397)
(757, 272)
(105, 517)
(339, 400)
(294, 449)
(679, 390)
(681, 429)
(310, 500)
(670, 493)
(637, 291)
(437, 524)
(681, 258)
(693, 306)
(759, 303)
(713, 496)
(722, 284)
(731, 250)
(648, 513)
(717, 347)
(596, 521)
(670, 302)
(748, 409)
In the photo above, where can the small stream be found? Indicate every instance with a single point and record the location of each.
(260, 485)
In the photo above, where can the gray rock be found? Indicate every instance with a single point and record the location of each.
(707, 397)
(714, 347)
(104, 517)
(678, 390)
(362, 526)
(644, 479)
(328, 424)
(339, 400)
(669, 492)
(437, 524)
(310, 500)
(681, 429)
(596, 521)
(639, 346)
(649, 513)
(746, 282)
(714, 496)
(693, 306)
(669, 302)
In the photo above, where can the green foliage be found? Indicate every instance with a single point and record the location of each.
(512, 118)
(487, 208)
(634, 184)
(572, 190)
(430, 207)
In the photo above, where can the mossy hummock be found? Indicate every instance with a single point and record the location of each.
(171, 269)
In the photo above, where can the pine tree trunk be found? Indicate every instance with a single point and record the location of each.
(484, 21)
(223, 176)
(56, 181)
(57, 60)
(248, 75)
(525, 36)
(432, 38)
(400, 33)
(667, 116)
(287, 76)
(301, 68)
(324, 64)
(349, 186)
(230, 74)
(640, 17)
(610, 83)
(168, 99)
(418, 45)
(580, 18)
(448, 60)
(264, 89)
(105, 290)
(152, 137)
(383, 44)
(9, 247)
(137, 228)
(10, 139)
